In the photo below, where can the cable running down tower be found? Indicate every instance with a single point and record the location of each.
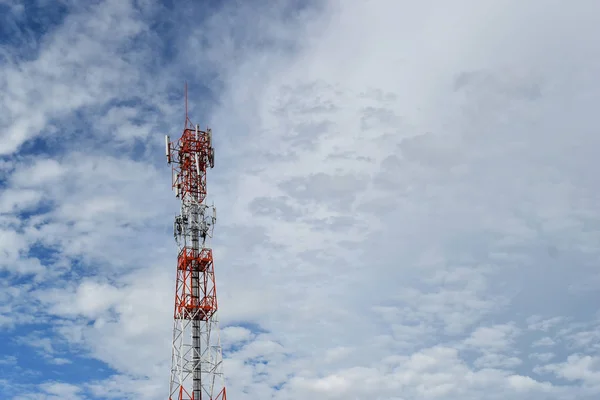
(196, 366)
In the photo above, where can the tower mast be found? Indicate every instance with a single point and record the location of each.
(196, 365)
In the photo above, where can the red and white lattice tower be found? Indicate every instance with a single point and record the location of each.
(196, 369)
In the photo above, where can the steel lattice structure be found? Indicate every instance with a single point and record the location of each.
(196, 366)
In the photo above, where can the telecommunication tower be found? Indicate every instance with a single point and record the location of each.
(196, 365)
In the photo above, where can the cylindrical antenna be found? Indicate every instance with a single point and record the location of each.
(167, 149)
(186, 106)
(197, 164)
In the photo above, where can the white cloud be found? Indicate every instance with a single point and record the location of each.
(53, 391)
(545, 341)
(41, 172)
(61, 389)
(525, 383)
(18, 200)
(537, 323)
(236, 334)
(496, 337)
(543, 357)
(8, 360)
(577, 367)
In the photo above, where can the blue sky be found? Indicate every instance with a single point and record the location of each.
(407, 196)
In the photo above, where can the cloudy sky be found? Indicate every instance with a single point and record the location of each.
(407, 192)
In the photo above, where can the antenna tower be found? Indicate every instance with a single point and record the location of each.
(196, 366)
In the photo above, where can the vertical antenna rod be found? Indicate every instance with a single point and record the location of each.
(196, 367)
